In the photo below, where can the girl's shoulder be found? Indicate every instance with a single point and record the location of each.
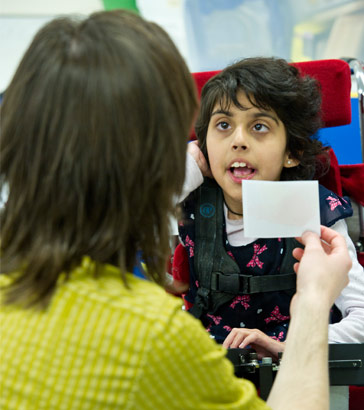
(186, 220)
(190, 202)
(333, 207)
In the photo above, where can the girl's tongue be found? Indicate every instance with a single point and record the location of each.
(241, 171)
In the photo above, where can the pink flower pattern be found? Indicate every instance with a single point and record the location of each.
(333, 202)
(230, 254)
(276, 316)
(280, 336)
(243, 300)
(190, 244)
(255, 260)
(215, 319)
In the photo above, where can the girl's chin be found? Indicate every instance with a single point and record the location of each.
(234, 199)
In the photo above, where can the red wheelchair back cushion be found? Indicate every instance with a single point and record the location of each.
(335, 80)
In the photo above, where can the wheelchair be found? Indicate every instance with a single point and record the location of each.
(335, 77)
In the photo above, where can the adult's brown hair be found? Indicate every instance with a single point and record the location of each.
(94, 127)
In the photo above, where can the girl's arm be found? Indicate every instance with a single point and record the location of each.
(196, 169)
(351, 300)
(193, 179)
(263, 344)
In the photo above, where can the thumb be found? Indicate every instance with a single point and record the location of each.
(311, 240)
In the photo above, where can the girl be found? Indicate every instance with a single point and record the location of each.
(258, 120)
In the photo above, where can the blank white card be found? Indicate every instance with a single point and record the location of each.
(280, 209)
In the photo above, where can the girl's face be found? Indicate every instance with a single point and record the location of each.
(245, 144)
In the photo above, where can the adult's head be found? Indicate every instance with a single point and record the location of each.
(94, 130)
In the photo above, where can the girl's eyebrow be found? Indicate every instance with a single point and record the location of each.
(254, 115)
(228, 113)
(266, 114)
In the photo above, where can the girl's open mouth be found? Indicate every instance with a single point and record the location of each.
(240, 170)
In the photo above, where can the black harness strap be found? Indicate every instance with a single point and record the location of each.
(210, 254)
(218, 274)
(248, 284)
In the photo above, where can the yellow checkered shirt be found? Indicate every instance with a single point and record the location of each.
(100, 345)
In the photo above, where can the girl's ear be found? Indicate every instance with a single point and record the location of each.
(290, 162)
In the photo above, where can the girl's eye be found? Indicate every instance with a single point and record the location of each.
(260, 128)
(223, 125)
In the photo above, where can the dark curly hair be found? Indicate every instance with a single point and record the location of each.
(272, 83)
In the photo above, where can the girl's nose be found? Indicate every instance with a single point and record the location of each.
(239, 140)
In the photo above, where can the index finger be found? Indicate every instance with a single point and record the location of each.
(229, 338)
(333, 238)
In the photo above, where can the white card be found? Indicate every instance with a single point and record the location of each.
(280, 209)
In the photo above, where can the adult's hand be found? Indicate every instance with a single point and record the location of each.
(322, 272)
(323, 265)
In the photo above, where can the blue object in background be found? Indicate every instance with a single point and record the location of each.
(345, 139)
(138, 269)
(220, 33)
(137, 272)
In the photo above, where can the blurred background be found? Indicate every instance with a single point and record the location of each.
(211, 34)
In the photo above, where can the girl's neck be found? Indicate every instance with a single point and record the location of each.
(232, 213)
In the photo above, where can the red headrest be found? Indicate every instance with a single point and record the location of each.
(335, 79)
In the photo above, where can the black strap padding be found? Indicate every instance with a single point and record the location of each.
(248, 284)
(218, 274)
(201, 303)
